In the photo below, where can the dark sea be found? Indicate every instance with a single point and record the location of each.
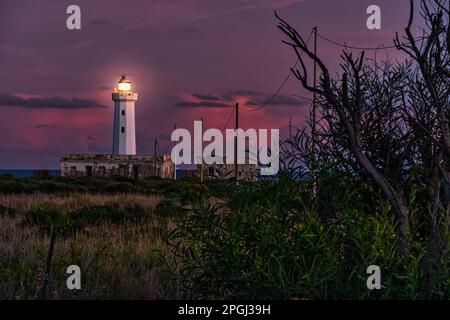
(26, 173)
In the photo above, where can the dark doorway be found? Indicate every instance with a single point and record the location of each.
(89, 171)
(136, 172)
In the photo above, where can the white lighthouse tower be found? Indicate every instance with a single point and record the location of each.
(124, 118)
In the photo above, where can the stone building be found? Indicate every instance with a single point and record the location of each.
(99, 165)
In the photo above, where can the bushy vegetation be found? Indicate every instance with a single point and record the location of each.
(117, 240)
(274, 241)
(185, 189)
(267, 240)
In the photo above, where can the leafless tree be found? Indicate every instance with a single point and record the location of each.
(361, 119)
(427, 108)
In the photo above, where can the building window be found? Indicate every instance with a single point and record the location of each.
(211, 171)
(123, 170)
(89, 171)
(102, 171)
(123, 112)
(123, 129)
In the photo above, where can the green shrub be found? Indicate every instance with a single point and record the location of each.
(108, 214)
(271, 241)
(46, 217)
(169, 208)
(11, 186)
(52, 187)
(6, 176)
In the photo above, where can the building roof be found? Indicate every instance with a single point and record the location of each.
(124, 79)
(113, 158)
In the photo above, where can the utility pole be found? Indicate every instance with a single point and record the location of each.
(156, 142)
(290, 127)
(236, 143)
(201, 163)
(314, 119)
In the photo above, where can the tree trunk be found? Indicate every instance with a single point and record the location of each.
(400, 209)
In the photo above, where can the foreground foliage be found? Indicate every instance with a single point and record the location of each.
(267, 240)
(273, 241)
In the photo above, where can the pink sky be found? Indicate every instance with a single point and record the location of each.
(186, 59)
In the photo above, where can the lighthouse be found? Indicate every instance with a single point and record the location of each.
(123, 162)
(124, 136)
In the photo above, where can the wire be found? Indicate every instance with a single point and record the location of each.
(229, 119)
(380, 47)
(268, 101)
(168, 147)
(224, 127)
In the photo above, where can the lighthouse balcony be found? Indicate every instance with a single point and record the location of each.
(124, 96)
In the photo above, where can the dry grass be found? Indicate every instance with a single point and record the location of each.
(128, 260)
(23, 202)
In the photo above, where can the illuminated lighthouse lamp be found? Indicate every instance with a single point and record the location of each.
(124, 85)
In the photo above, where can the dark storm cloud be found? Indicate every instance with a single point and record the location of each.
(201, 104)
(256, 98)
(279, 100)
(45, 126)
(248, 93)
(206, 97)
(48, 102)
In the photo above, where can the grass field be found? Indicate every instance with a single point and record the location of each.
(122, 257)
(183, 239)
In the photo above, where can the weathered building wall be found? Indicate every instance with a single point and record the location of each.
(117, 165)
